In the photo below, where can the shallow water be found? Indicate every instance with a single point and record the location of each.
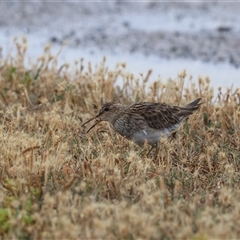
(166, 38)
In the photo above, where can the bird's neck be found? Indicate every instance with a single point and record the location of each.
(120, 111)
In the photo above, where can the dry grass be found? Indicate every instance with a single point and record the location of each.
(57, 183)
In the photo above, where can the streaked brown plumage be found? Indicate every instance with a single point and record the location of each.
(144, 120)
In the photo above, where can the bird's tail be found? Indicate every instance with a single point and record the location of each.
(188, 109)
(194, 105)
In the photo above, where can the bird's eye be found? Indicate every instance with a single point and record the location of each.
(106, 109)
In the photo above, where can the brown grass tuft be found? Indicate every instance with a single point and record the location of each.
(58, 183)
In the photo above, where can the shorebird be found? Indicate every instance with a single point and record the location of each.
(144, 121)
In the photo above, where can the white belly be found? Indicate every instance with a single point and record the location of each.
(152, 136)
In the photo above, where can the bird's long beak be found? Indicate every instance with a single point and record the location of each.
(97, 120)
(90, 120)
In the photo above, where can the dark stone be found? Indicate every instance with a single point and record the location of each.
(224, 29)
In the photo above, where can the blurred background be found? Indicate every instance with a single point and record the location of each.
(200, 37)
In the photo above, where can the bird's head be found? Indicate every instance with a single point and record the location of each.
(107, 113)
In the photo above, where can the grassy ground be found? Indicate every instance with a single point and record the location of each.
(58, 183)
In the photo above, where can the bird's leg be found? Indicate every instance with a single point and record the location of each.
(152, 147)
(157, 150)
(145, 146)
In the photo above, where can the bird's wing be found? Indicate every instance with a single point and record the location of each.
(157, 115)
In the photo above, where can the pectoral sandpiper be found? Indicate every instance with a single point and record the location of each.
(144, 121)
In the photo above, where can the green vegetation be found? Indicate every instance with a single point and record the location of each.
(58, 183)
